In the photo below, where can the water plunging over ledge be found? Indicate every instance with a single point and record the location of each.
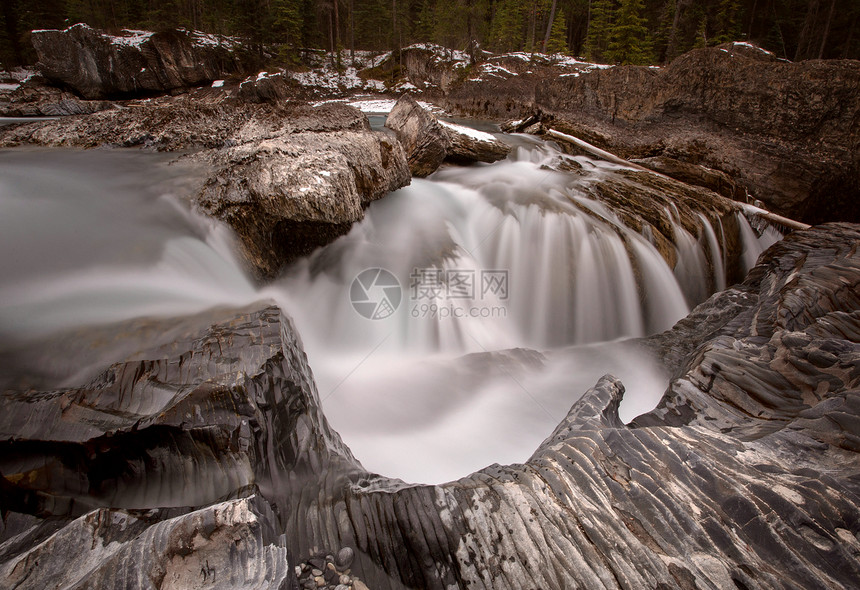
(515, 287)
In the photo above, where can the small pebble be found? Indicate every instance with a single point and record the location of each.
(320, 581)
(359, 585)
(341, 587)
(316, 572)
(344, 579)
(330, 566)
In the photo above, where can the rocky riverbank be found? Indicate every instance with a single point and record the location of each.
(747, 470)
(745, 475)
(786, 133)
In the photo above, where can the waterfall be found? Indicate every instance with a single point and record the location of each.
(452, 328)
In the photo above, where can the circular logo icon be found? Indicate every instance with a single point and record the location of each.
(375, 293)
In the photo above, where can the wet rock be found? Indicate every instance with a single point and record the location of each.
(34, 97)
(98, 65)
(424, 141)
(287, 195)
(226, 545)
(695, 174)
(469, 145)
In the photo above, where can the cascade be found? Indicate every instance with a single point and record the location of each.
(514, 288)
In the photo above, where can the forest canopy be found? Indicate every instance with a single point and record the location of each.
(609, 31)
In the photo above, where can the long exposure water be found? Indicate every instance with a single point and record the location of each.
(452, 328)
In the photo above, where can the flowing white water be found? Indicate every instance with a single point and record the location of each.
(489, 258)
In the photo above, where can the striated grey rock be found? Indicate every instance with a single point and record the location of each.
(468, 145)
(231, 544)
(35, 98)
(425, 142)
(98, 65)
(745, 476)
(287, 195)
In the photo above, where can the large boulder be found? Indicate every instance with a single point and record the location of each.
(470, 145)
(98, 65)
(425, 142)
(428, 142)
(287, 195)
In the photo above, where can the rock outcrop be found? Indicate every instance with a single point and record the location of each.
(98, 65)
(746, 475)
(469, 145)
(287, 178)
(788, 133)
(421, 135)
(428, 142)
(34, 97)
(287, 195)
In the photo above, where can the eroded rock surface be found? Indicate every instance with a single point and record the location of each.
(428, 142)
(786, 132)
(469, 145)
(746, 475)
(98, 65)
(425, 142)
(287, 195)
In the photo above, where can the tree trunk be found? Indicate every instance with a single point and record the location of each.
(336, 26)
(11, 20)
(549, 26)
(352, 31)
(826, 29)
(803, 40)
(672, 43)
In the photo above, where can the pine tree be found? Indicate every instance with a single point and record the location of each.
(558, 35)
(629, 39)
(599, 27)
(506, 27)
(288, 27)
(728, 22)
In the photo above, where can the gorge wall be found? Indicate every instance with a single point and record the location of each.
(788, 133)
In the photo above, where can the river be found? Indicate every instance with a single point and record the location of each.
(452, 328)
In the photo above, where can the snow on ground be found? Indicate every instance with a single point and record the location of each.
(751, 46)
(568, 61)
(495, 70)
(377, 105)
(460, 58)
(218, 84)
(473, 133)
(5, 86)
(130, 38)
